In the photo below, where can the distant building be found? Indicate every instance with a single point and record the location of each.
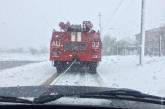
(154, 41)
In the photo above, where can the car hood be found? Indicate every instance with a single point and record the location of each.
(35, 91)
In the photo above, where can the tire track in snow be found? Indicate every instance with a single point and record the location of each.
(80, 79)
(56, 76)
(99, 79)
(50, 79)
(69, 78)
(94, 80)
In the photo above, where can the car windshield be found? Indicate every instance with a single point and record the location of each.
(118, 44)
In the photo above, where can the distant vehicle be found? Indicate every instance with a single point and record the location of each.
(76, 42)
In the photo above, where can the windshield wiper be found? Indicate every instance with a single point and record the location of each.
(14, 100)
(120, 94)
(44, 98)
(125, 94)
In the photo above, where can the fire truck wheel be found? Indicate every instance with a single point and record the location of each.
(93, 68)
(59, 69)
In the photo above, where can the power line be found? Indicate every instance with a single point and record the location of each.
(115, 12)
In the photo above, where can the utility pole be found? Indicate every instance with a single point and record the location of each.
(142, 33)
(117, 52)
(100, 24)
(160, 45)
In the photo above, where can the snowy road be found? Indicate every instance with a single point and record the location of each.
(113, 71)
(80, 79)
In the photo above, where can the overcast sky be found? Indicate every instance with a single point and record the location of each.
(25, 23)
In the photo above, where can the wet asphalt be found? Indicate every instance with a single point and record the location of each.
(12, 64)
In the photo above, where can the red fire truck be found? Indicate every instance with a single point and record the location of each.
(75, 42)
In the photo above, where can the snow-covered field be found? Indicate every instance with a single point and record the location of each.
(115, 71)
(124, 72)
